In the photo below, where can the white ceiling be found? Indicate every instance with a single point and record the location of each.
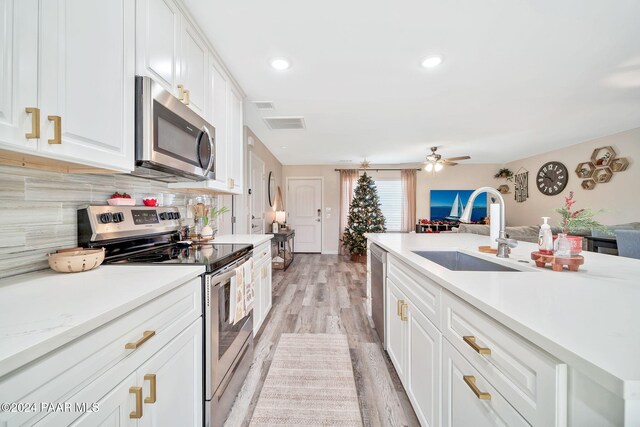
(520, 77)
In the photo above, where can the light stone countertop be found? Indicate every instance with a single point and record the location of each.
(42, 311)
(588, 319)
(248, 239)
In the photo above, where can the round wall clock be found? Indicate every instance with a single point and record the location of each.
(552, 178)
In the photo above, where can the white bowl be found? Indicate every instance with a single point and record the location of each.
(121, 202)
(75, 261)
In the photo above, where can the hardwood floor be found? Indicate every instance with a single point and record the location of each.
(326, 294)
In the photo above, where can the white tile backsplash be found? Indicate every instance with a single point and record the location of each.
(38, 210)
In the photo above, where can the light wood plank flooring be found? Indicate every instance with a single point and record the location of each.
(326, 294)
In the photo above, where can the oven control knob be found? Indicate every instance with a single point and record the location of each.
(118, 217)
(171, 215)
(176, 215)
(105, 218)
(163, 216)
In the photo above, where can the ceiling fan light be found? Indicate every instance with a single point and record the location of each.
(438, 167)
(429, 167)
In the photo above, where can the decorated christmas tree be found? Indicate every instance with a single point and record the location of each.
(365, 216)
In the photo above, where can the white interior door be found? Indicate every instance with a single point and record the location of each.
(304, 204)
(256, 195)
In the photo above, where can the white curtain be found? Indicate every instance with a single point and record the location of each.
(409, 183)
(348, 179)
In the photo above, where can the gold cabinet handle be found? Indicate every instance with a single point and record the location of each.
(145, 337)
(152, 385)
(181, 92)
(471, 382)
(187, 96)
(403, 316)
(230, 183)
(471, 340)
(35, 123)
(137, 413)
(57, 129)
(399, 309)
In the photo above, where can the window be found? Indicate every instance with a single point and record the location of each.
(390, 194)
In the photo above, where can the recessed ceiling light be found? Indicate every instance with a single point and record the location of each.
(283, 146)
(432, 61)
(280, 64)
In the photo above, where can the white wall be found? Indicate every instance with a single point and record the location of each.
(620, 197)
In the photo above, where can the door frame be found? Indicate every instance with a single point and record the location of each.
(286, 198)
(251, 197)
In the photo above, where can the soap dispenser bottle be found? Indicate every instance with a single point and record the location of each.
(545, 238)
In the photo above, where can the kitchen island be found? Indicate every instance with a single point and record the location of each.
(584, 322)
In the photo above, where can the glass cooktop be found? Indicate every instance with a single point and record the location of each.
(213, 256)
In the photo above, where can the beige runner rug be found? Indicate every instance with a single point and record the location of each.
(310, 383)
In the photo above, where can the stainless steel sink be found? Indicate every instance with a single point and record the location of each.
(459, 261)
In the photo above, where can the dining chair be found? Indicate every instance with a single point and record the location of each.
(628, 243)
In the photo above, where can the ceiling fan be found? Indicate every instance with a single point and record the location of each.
(435, 162)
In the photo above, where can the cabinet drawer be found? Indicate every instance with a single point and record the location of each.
(261, 253)
(531, 380)
(63, 372)
(423, 292)
(462, 407)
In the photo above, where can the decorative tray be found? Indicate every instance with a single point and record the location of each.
(557, 263)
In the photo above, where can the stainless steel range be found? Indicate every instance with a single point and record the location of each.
(147, 235)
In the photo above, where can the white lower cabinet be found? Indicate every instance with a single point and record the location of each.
(459, 367)
(266, 297)
(423, 367)
(468, 399)
(114, 408)
(413, 343)
(396, 334)
(171, 382)
(262, 284)
(142, 369)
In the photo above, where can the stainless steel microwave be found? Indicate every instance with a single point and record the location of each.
(173, 143)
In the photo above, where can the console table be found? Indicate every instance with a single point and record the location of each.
(285, 247)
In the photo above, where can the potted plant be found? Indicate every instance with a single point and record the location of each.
(208, 231)
(574, 220)
(504, 173)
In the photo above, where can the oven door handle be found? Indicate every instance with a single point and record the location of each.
(216, 280)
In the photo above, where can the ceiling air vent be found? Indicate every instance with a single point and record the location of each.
(264, 105)
(285, 123)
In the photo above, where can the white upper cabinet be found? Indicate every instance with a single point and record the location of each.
(193, 71)
(217, 116)
(19, 75)
(171, 51)
(158, 29)
(236, 142)
(66, 81)
(87, 66)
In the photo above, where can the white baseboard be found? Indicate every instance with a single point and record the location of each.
(329, 252)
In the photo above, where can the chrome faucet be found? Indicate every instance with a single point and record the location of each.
(503, 242)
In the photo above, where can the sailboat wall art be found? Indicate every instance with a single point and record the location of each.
(447, 205)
